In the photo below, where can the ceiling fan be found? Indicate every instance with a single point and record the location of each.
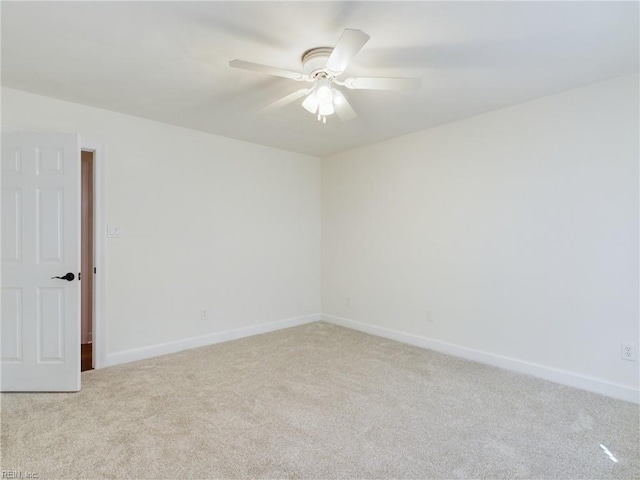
(322, 66)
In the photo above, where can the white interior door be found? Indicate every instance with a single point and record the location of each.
(40, 327)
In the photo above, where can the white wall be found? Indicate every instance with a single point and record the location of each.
(513, 233)
(207, 223)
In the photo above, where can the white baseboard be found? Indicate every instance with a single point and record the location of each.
(596, 385)
(150, 351)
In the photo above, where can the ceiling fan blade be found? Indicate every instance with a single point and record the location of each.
(342, 108)
(349, 44)
(292, 97)
(257, 67)
(380, 83)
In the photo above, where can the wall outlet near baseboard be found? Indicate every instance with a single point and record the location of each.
(628, 352)
(348, 301)
(204, 315)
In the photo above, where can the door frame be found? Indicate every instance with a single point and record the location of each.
(99, 250)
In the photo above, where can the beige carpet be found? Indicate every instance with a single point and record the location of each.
(317, 401)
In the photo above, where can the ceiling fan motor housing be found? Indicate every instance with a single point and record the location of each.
(314, 62)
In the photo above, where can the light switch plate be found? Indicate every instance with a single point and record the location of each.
(113, 232)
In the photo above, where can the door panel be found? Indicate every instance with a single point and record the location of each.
(11, 228)
(40, 328)
(11, 326)
(50, 228)
(49, 161)
(11, 161)
(50, 323)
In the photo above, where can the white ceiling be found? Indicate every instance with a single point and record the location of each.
(168, 61)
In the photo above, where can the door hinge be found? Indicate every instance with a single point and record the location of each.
(94, 270)
(79, 275)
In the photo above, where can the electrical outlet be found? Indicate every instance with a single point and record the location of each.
(429, 317)
(348, 301)
(628, 352)
(203, 315)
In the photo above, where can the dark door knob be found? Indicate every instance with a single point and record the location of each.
(68, 277)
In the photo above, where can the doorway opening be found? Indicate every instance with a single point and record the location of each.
(87, 262)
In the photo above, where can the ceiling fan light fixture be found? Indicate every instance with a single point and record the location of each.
(321, 100)
(326, 109)
(310, 103)
(324, 94)
(324, 97)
